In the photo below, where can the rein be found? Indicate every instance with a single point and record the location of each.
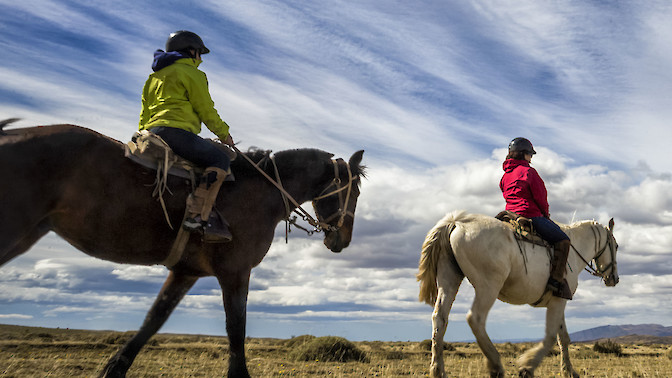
(317, 224)
(596, 271)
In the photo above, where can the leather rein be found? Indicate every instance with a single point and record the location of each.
(320, 224)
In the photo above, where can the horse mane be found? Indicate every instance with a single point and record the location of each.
(292, 160)
(299, 156)
(287, 160)
(578, 224)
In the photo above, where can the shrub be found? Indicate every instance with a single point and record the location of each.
(669, 353)
(608, 347)
(427, 345)
(298, 341)
(328, 348)
(116, 338)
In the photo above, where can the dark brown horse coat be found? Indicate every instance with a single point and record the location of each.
(77, 183)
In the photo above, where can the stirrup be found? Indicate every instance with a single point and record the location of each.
(216, 230)
(214, 234)
(559, 289)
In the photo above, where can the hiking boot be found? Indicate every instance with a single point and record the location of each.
(200, 206)
(559, 289)
(557, 282)
(216, 230)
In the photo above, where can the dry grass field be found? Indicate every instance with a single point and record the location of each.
(42, 352)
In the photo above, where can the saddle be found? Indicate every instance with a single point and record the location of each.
(149, 150)
(522, 228)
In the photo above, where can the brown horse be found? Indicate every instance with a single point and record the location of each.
(77, 183)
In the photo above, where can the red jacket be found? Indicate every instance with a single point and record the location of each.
(523, 189)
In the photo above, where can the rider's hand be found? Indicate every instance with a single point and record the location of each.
(228, 141)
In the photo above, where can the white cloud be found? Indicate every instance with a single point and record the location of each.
(15, 316)
(141, 273)
(432, 93)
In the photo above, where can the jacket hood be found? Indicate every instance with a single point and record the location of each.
(510, 164)
(164, 59)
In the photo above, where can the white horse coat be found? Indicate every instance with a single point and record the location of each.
(484, 250)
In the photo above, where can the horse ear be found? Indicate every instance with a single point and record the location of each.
(356, 158)
(611, 224)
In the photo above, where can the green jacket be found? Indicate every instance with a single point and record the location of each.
(178, 96)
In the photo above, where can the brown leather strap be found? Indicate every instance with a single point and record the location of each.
(178, 246)
(212, 191)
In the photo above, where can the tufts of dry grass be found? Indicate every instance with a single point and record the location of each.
(328, 348)
(41, 352)
(608, 347)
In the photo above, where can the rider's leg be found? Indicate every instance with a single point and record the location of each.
(552, 233)
(200, 203)
(557, 282)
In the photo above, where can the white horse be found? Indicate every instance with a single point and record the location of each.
(484, 250)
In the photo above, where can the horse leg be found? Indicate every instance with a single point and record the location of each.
(529, 361)
(234, 292)
(484, 299)
(563, 342)
(449, 277)
(173, 290)
(9, 251)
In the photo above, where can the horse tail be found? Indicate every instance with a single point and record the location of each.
(6, 122)
(436, 242)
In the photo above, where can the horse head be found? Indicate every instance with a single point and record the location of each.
(335, 205)
(605, 259)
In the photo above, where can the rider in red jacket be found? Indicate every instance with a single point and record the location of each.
(525, 195)
(523, 189)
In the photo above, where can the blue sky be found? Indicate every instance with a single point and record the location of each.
(433, 91)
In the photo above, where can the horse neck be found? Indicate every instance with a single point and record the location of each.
(300, 174)
(587, 240)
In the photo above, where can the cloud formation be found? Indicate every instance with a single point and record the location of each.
(433, 94)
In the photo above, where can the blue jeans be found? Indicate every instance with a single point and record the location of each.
(548, 230)
(193, 148)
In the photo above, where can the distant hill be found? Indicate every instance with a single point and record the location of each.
(645, 331)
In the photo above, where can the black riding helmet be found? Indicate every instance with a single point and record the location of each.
(521, 145)
(183, 40)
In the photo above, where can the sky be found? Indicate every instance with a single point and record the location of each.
(432, 90)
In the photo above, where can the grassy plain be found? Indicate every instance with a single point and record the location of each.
(43, 352)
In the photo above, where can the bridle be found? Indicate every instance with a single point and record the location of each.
(342, 204)
(610, 244)
(320, 224)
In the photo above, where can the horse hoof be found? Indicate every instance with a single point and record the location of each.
(116, 367)
(436, 373)
(525, 373)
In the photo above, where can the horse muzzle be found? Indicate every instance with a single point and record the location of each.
(611, 280)
(335, 241)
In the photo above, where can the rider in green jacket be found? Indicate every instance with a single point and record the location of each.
(175, 101)
(177, 96)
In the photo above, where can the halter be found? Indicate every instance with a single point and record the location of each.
(596, 271)
(320, 224)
